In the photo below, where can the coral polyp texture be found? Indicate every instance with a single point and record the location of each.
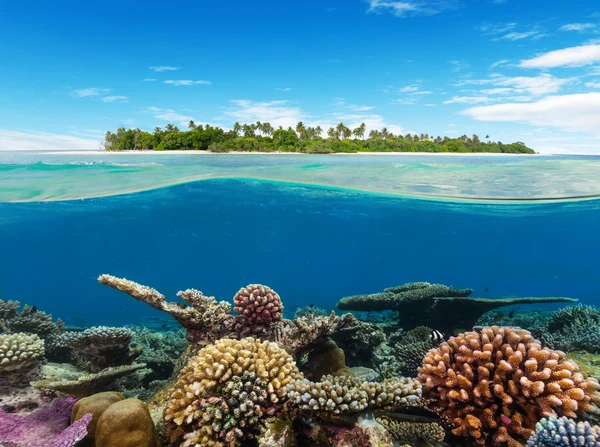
(341, 395)
(406, 432)
(564, 432)
(493, 385)
(259, 304)
(216, 392)
(435, 305)
(20, 352)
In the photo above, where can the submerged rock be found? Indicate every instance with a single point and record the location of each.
(95, 405)
(126, 423)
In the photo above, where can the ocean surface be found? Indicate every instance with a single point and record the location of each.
(314, 228)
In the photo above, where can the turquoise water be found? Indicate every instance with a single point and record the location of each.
(315, 228)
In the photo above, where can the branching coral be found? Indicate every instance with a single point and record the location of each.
(160, 350)
(20, 352)
(88, 384)
(102, 347)
(564, 432)
(424, 304)
(574, 328)
(34, 321)
(497, 383)
(211, 378)
(411, 348)
(405, 432)
(202, 318)
(310, 311)
(341, 395)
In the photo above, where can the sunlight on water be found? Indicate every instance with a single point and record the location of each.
(51, 177)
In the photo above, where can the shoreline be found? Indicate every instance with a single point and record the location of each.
(179, 152)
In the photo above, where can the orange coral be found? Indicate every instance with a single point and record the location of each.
(495, 384)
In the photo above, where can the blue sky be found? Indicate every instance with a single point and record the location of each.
(525, 70)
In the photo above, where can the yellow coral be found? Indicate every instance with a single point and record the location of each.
(20, 351)
(190, 414)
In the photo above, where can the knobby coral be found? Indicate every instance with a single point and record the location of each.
(342, 394)
(406, 432)
(497, 383)
(229, 379)
(564, 432)
(20, 352)
(259, 304)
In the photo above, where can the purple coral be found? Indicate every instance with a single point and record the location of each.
(47, 426)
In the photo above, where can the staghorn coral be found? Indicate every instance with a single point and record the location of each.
(34, 321)
(101, 347)
(211, 378)
(406, 432)
(47, 426)
(574, 328)
(494, 385)
(203, 317)
(20, 357)
(88, 384)
(562, 318)
(564, 432)
(8, 310)
(258, 304)
(342, 394)
(424, 304)
(160, 351)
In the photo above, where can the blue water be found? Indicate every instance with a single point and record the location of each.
(312, 245)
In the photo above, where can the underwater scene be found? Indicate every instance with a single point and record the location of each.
(299, 300)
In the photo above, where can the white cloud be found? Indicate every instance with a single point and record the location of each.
(567, 57)
(424, 92)
(150, 80)
(278, 113)
(409, 89)
(533, 85)
(498, 63)
(497, 28)
(533, 34)
(170, 115)
(186, 82)
(91, 91)
(594, 84)
(409, 8)
(285, 89)
(579, 112)
(161, 68)
(578, 27)
(360, 108)
(468, 100)
(115, 99)
(44, 141)
(459, 65)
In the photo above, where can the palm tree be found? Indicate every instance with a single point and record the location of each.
(374, 134)
(385, 133)
(331, 133)
(319, 131)
(236, 128)
(248, 130)
(191, 125)
(157, 131)
(268, 129)
(300, 129)
(259, 126)
(487, 137)
(359, 132)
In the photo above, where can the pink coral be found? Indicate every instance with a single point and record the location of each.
(258, 304)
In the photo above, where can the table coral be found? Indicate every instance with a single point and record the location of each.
(341, 395)
(564, 432)
(496, 383)
(424, 304)
(231, 374)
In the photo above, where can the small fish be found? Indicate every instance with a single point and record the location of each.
(436, 336)
(164, 326)
(34, 309)
(486, 289)
(311, 305)
(511, 314)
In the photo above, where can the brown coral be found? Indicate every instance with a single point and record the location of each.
(258, 304)
(218, 374)
(496, 384)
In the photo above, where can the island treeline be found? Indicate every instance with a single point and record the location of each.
(262, 137)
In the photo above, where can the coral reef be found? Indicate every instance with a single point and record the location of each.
(564, 432)
(95, 406)
(231, 374)
(45, 427)
(20, 358)
(424, 304)
(160, 351)
(496, 384)
(101, 347)
(574, 328)
(341, 395)
(405, 432)
(203, 317)
(258, 304)
(126, 423)
(88, 384)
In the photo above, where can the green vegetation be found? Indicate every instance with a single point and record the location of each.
(262, 137)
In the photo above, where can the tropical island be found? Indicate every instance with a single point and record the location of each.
(262, 137)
